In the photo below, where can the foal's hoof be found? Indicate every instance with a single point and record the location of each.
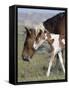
(47, 74)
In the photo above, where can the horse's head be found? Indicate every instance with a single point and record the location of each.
(28, 49)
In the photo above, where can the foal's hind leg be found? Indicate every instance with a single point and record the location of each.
(50, 64)
(61, 60)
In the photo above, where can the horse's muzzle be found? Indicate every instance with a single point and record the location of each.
(26, 58)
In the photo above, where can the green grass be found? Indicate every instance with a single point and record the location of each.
(37, 67)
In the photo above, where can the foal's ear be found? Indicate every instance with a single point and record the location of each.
(40, 32)
(45, 31)
(51, 41)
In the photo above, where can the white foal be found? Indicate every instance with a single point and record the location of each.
(56, 42)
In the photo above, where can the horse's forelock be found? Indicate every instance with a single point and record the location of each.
(39, 27)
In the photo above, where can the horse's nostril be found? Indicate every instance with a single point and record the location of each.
(26, 58)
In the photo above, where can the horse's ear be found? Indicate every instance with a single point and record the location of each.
(27, 30)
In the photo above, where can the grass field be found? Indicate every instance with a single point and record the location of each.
(37, 67)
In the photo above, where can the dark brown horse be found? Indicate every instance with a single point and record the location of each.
(55, 25)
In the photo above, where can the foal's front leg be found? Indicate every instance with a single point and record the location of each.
(61, 60)
(50, 64)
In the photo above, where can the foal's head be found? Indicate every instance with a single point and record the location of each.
(41, 38)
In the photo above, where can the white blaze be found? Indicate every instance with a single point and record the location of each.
(37, 45)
